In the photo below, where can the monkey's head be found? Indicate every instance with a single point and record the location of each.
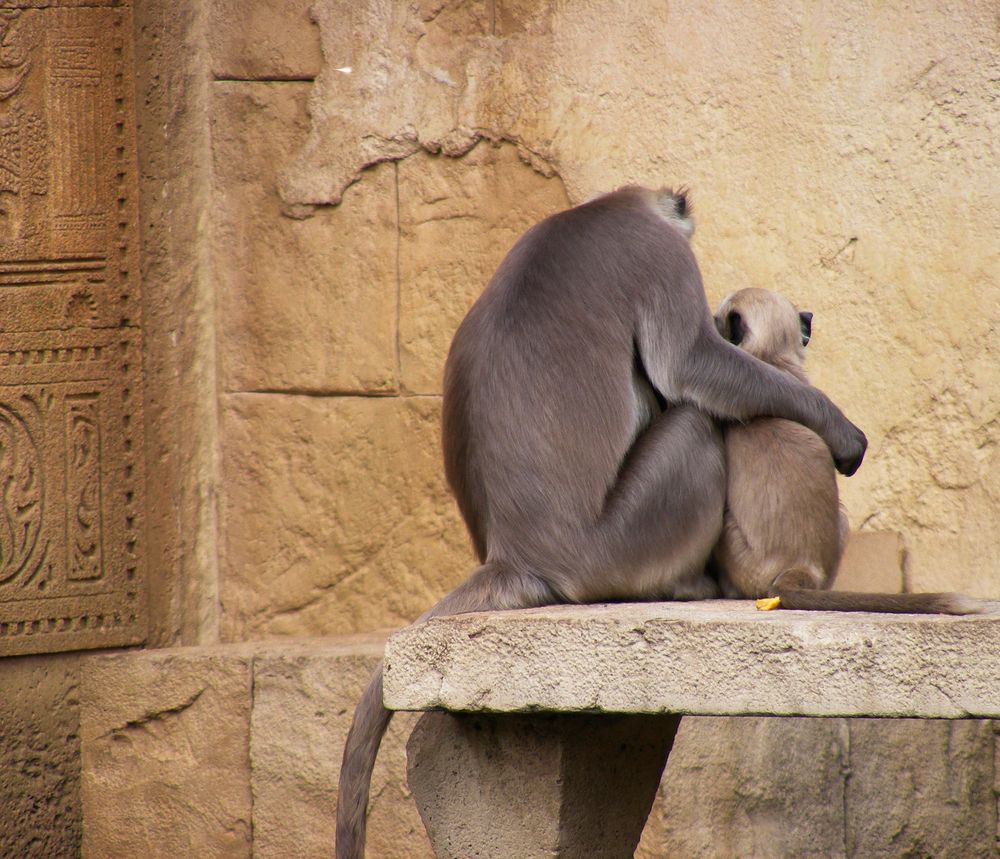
(765, 324)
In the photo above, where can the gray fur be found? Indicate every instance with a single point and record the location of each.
(578, 429)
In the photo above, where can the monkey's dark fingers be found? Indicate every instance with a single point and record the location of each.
(850, 460)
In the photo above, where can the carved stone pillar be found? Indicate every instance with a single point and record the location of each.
(71, 467)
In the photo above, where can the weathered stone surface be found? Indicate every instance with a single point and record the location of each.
(165, 739)
(263, 40)
(458, 217)
(172, 86)
(872, 563)
(527, 786)
(336, 515)
(174, 741)
(920, 788)
(40, 757)
(846, 154)
(752, 787)
(68, 227)
(304, 698)
(71, 516)
(996, 773)
(71, 562)
(712, 658)
(825, 787)
(305, 304)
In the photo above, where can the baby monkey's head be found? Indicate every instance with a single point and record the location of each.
(766, 325)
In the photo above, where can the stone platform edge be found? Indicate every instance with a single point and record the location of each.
(718, 657)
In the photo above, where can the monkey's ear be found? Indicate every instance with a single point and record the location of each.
(806, 326)
(737, 328)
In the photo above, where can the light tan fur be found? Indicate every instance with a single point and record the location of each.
(783, 514)
(784, 530)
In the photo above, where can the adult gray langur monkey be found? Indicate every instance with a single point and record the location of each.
(784, 531)
(579, 435)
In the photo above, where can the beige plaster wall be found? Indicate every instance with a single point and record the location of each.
(846, 155)
(312, 238)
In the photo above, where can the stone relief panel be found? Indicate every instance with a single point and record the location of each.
(71, 491)
(65, 169)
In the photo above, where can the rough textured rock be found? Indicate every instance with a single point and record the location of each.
(175, 741)
(719, 657)
(304, 700)
(179, 313)
(935, 794)
(825, 787)
(336, 515)
(309, 303)
(40, 757)
(458, 217)
(536, 786)
(165, 740)
(752, 787)
(263, 39)
(847, 155)
(72, 551)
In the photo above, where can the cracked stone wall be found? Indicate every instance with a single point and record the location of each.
(313, 235)
(369, 164)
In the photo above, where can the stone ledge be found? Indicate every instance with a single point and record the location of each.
(710, 658)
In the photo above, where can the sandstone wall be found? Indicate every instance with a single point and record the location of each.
(312, 237)
(845, 155)
(40, 813)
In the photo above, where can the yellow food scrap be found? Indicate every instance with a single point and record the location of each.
(768, 603)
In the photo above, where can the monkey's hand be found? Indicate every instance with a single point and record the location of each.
(850, 451)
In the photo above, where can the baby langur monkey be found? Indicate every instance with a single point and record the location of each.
(784, 530)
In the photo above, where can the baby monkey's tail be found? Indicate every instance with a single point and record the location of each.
(813, 600)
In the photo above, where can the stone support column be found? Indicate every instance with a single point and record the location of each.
(516, 786)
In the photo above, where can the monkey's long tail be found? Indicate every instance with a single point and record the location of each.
(492, 586)
(814, 600)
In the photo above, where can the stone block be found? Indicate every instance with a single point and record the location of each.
(304, 699)
(172, 90)
(165, 739)
(751, 787)
(718, 657)
(921, 788)
(458, 217)
(40, 757)
(263, 40)
(306, 303)
(336, 515)
(534, 786)
(872, 563)
(772, 787)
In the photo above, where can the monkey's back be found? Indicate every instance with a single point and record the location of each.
(540, 406)
(783, 509)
